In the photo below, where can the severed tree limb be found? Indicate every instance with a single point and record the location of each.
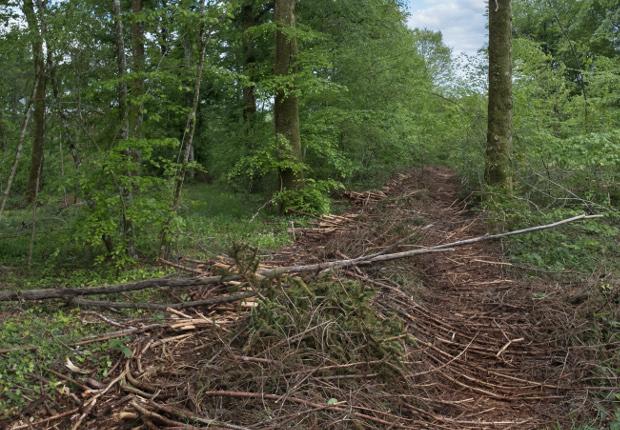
(69, 293)
(304, 402)
(517, 232)
(188, 415)
(36, 424)
(161, 306)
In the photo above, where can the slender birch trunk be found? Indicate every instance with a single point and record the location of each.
(188, 135)
(37, 31)
(18, 151)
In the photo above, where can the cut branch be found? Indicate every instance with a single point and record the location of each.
(69, 293)
(228, 298)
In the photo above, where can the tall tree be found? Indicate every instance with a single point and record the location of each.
(121, 65)
(18, 151)
(37, 31)
(499, 132)
(187, 142)
(128, 128)
(248, 20)
(137, 83)
(286, 108)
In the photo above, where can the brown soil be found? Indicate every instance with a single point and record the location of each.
(483, 351)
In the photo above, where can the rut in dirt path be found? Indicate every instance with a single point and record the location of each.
(496, 352)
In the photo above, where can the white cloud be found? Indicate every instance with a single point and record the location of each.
(462, 22)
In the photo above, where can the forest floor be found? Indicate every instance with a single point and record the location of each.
(452, 340)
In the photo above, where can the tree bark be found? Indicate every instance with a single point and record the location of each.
(121, 64)
(126, 128)
(163, 30)
(3, 132)
(286, 109)
(137, 83)
(36, 27)
(499, 133)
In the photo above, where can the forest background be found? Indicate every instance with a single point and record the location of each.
(136, 129)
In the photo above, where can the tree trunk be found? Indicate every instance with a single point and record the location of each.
(137, 83)
(35, 25)
(499, 134)
(189, 93)
(121, 64)
(188, 74)
(190, 127)
(188, 136)
(3, 132)
(163, 30)
(248, 20)
(286, 109)
(126, 129)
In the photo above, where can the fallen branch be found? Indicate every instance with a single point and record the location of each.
(93, 401)
(517, 232)
(36, 424)
(188, 415)
(70, 293)
(228, 298)
(117, 334)
(67, 293)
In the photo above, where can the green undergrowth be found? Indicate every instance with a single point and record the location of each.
(41, 338)
(582, 258)
(214, 218)
(582, 247)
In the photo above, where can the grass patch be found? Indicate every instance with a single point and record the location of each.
(583, 247)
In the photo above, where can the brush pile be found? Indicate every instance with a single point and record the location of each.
(447, 341)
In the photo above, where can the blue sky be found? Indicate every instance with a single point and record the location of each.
(462, 22)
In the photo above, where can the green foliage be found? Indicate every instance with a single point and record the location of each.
(267, 160)
(311, 198)
(580, 248)
(39, 339)
(131, 184)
